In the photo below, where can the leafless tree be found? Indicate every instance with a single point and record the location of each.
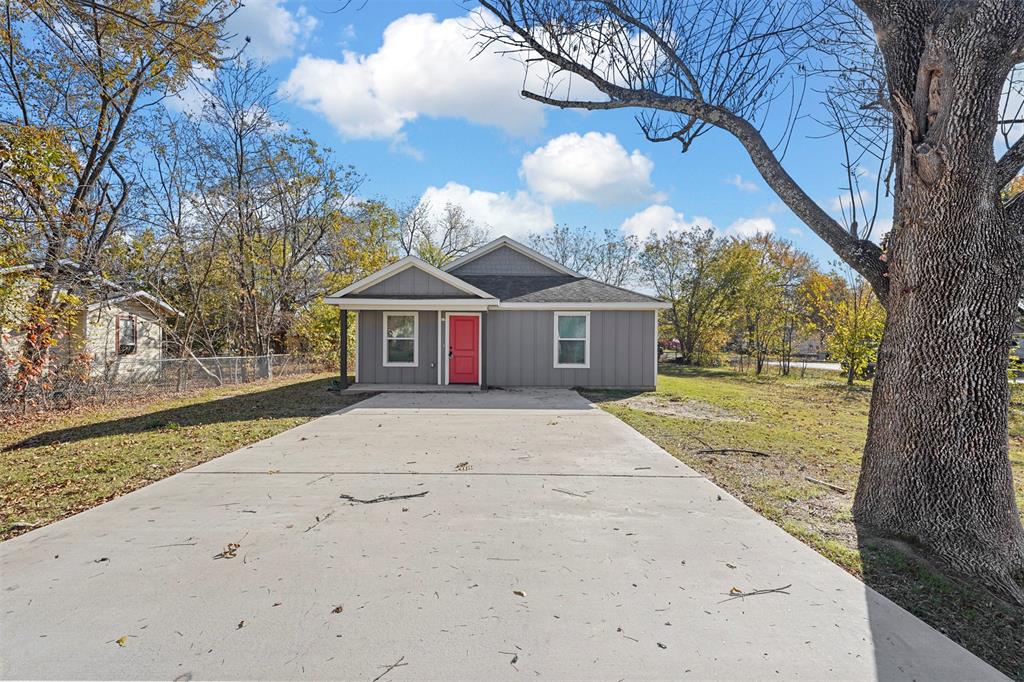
(438, 237)
(936, 469)
(611, 259)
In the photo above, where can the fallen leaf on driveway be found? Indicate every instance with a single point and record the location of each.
(121, 641)
(338, 609)
(735, 590)
(730, 565)
(519, 593)
(229, 551)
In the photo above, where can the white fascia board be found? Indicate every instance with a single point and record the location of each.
(602, 305)
(400, 266)
(412, 303)
(515, 246)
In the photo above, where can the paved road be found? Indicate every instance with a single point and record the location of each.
(542, 538)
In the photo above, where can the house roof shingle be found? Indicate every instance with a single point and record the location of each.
(553, 289)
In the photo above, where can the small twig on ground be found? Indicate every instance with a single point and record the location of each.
(741, 595)
(383, 498)
(567, 492)
(319, 520)
(827, 484)
(725, 451)
(175, 544)
(396, 664)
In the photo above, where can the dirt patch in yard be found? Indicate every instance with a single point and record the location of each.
(686, 408)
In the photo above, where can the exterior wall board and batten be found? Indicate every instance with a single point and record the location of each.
(503, 261)
(412, 282)
(370, 340)
(519, 350)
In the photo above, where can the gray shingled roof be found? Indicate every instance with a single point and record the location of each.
(553, 289)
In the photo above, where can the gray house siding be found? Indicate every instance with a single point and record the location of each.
(504, 261)
(371, 351)
(412, 282)
(519, 350)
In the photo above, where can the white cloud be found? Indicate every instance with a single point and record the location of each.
(424, 67)
(591, 167)
(660, 220)
(739, 182)
(515, 215)
(795, 231)
(272, 29)
(750, 227)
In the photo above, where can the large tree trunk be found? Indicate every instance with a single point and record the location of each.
(936, 469)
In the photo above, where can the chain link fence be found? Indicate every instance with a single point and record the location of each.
(128, 377)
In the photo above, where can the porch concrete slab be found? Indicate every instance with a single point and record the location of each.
(497, 571)
(412, 388)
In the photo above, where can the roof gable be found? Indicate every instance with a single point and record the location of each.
(411, 277)
(506, 256)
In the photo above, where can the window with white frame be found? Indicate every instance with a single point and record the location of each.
(127, 334)
(401, 332)
(572, 339)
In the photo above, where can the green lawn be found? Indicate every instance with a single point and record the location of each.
(815, 427)
(59, 464)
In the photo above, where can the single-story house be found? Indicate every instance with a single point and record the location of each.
(119, 332)
(503, 316)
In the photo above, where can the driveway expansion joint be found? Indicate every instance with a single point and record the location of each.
(440, 473)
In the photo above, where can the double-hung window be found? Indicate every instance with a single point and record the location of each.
(572, 339)
(127, 331)
(401, 332)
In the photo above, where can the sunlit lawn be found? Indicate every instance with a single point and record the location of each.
(814, 427)
(62, 463)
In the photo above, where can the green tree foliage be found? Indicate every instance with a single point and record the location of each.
(847, 314)
(768, 303)
(702, 275)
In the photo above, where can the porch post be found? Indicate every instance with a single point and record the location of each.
(343, 347)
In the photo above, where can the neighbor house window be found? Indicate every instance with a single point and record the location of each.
(127, 332)
(572, 339)
(400, 339)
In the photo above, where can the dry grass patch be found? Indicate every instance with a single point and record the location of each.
(814, 428)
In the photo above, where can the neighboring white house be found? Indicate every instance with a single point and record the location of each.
(120, 333)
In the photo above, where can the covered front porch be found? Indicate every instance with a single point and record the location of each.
(404, 345)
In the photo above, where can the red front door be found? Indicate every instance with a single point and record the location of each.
(463, 349)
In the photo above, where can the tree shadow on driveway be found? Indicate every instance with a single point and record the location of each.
(303, 399)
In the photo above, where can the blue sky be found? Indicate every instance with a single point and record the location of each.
(391, 88)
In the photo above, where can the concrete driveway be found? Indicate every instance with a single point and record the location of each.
(540, 537)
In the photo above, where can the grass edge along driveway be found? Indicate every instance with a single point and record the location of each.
(790, 448)
(57, 464)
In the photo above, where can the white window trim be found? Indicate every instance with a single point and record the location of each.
(586, 340)
(415, 337)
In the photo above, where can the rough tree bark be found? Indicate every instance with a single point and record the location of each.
(936, 469)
